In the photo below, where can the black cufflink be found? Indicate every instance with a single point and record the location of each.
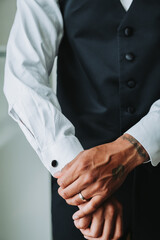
(54, 163)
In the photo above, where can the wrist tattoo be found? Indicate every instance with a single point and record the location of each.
(118, 172)
(140, 150)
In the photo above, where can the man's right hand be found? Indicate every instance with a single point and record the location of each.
(104, 224)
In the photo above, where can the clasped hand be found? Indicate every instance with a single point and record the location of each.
(105, 223)
(97, 173)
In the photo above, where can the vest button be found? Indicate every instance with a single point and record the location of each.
(131, 83)
(128, 31)
(129, 57)
(131, 110)
(54, 163)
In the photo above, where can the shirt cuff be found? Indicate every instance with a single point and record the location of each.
(61, 152)
(147, 134)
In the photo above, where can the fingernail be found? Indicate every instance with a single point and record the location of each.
(85, 237)
(57, 174)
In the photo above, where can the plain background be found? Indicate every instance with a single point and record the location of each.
(25, 212)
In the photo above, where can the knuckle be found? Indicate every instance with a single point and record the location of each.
(105, 191)
(64, 194)
(99, 186)
(81, 165)
(68, 202)
(77, 202)
(77, 224)
(82, 224)
(108, 191)
(61, 183)
(94, 206)
(59, 191)
(92, 178)
(111, 210)
(87, 179)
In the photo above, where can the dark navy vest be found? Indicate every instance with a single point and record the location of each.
(108, 66)
(108, 77)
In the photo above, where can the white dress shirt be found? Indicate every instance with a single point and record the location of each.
(32, 47)
(126, 3)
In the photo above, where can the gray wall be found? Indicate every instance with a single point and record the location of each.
(24, 181)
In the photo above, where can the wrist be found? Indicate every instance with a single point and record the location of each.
(135, 151)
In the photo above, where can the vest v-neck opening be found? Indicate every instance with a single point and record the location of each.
(122, 7)
(125, 13)
(126, 4)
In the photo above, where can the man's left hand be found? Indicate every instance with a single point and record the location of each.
(98, 172)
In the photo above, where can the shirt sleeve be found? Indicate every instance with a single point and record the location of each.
(31, 49)
(147, 132)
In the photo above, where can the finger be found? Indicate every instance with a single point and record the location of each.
(63, 170)
(87, 192)
(84, 185)
(109, 226)
(96, 227)
(118, 227)
(89, 208)
(70, 164)
(93, 232)
(83, 223)
(92, 238)
(70, 172)
(76, 200)
(72, 191)
(68, 177)
(107, 230)
(95, 188)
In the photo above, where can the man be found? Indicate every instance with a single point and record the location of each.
(109, 89)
